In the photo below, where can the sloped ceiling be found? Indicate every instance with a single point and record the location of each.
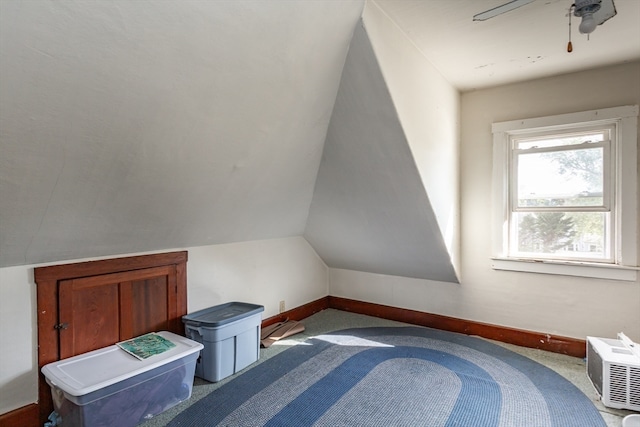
(370, 211)
(143, 125)
(129, 126)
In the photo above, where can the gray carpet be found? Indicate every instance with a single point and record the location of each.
(331, 320)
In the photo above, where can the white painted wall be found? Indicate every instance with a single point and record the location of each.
(370, 211)
(562, 305)
(428, 108)
(261, 272)
(18, 335)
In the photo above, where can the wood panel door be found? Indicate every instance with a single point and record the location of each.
(97, 311)
(144, 317)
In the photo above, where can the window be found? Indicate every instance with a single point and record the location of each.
(565, 194)
(561, 195)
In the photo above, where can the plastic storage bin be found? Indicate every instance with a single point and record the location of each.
(110, 387)
(231, 337)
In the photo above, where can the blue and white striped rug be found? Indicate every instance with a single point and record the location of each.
(395, 376)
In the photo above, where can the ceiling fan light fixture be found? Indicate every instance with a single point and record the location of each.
(585, 10)
(588, 24)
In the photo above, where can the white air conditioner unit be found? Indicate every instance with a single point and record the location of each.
(613, 366)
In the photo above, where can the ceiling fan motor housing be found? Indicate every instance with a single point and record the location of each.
(586, 6)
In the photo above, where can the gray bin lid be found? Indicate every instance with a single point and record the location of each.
(222, 314)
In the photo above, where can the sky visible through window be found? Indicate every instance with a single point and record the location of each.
(547, 175)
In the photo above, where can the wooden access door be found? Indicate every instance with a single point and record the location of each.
(137, 281)
(97, 311)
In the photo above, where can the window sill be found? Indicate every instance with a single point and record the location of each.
(567, 268)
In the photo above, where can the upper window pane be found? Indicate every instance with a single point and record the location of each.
(561, 178)
(559, 141)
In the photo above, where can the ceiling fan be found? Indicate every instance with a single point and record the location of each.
(592, 12)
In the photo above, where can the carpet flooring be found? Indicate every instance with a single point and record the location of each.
(390, 375)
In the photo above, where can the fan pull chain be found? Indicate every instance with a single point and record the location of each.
(569, 45)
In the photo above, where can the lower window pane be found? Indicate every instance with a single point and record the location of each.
(561, 235)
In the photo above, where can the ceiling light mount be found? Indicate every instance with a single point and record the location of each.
(585, 9)
(586, 6)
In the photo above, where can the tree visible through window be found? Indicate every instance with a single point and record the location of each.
(546, 232)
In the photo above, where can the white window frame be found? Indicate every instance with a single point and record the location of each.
(624, 265)
(607, 145)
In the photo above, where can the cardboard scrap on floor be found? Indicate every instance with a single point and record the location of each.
(278, 331)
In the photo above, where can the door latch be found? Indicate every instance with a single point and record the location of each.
(60, 326)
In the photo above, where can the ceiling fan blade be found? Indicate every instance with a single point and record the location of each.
(513, 4)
